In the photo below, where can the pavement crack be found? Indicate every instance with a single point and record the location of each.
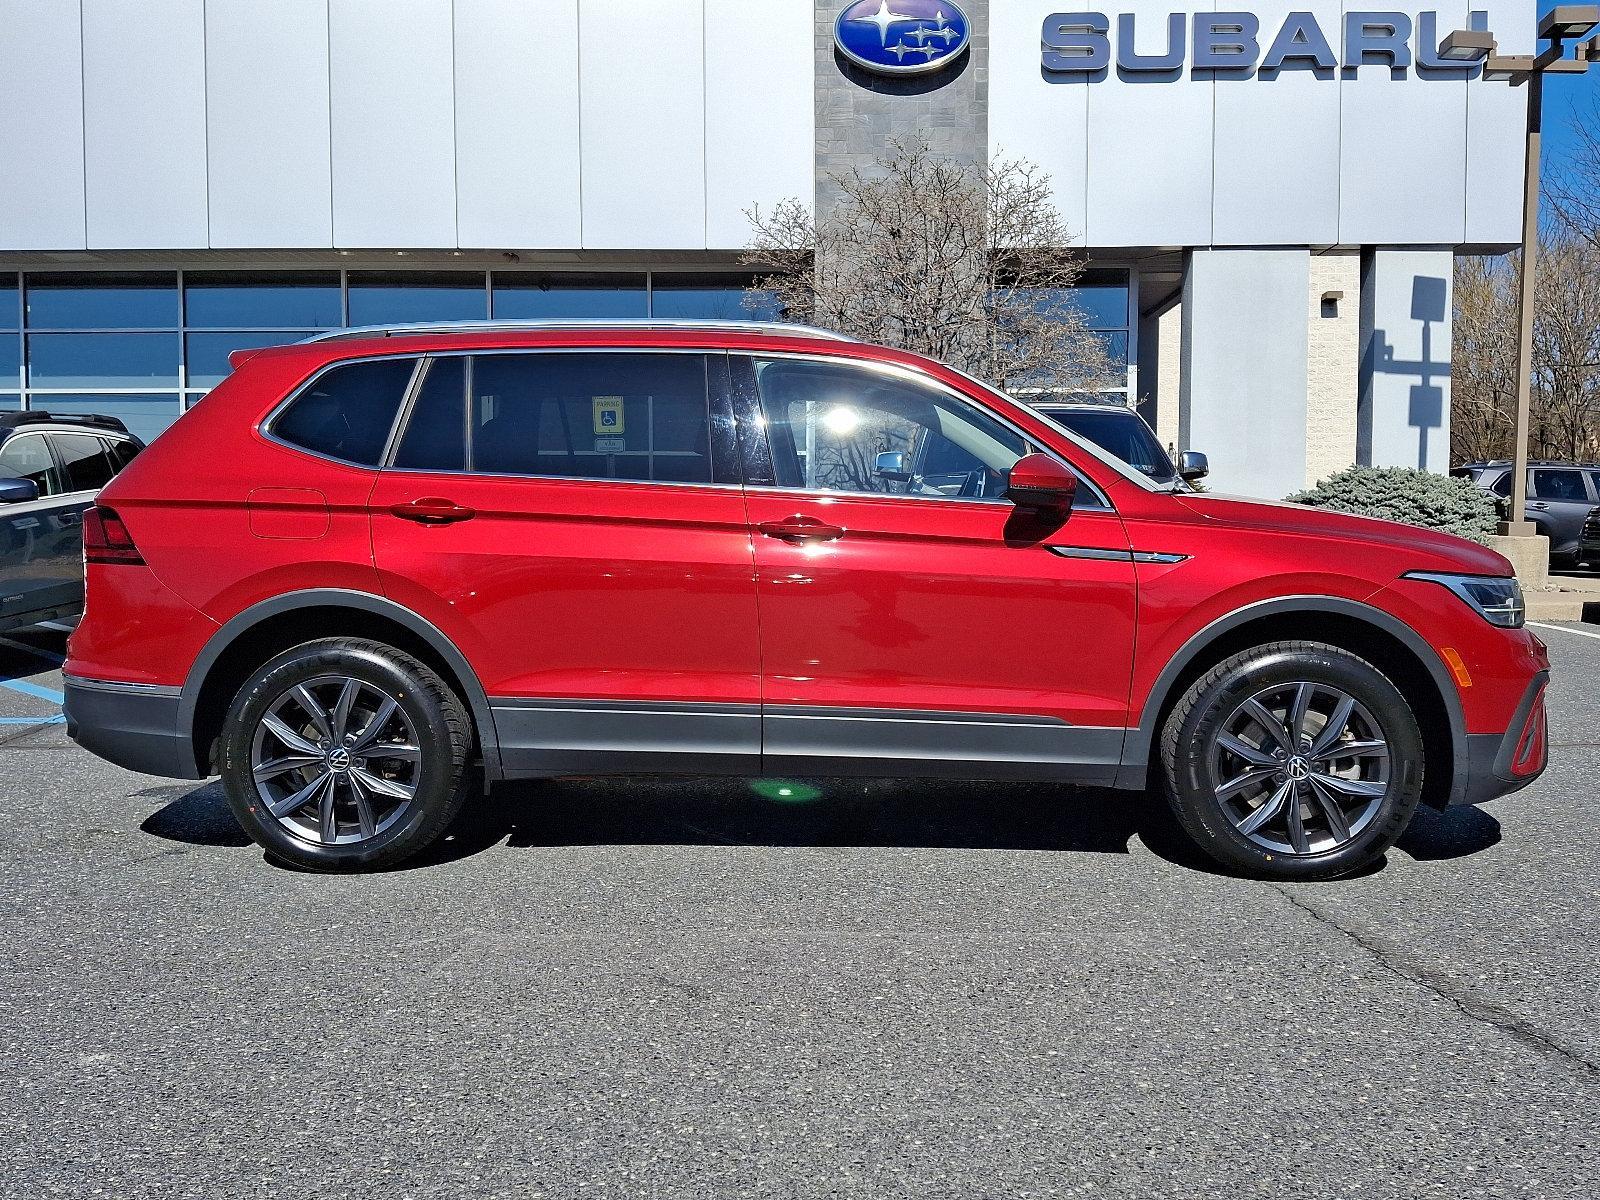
(1450, 990)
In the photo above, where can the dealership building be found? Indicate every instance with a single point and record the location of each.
(1269, 201)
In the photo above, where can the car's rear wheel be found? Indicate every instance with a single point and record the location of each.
(345, 754)
(1294, 760)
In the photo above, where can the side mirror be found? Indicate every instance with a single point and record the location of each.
(891, 464)
(1193, 465)
(18, 491)
(1039, 481)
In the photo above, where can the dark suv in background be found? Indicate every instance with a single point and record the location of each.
(1560, 496)
(1120, 431)
(51, 467)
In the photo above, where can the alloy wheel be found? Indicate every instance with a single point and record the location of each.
(336, 760)
(1300, 768)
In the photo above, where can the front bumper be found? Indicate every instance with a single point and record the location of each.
(1500, 763)
(132, 725)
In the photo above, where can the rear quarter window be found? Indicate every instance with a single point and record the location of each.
(348, 410)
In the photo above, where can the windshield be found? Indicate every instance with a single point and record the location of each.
(1120, 432)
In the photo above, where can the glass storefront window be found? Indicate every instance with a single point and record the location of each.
(102, 360)
(1106, 305)
(102, 301)
(10, 339)
(565, 295)
(228, 300)
(207, 353)
(10, 359)
(145, 416)
(707, 298)
(392, 297)
(1116, 344)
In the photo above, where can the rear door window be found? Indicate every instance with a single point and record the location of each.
(435, 437)
(638, 416)
(1559, 485)
(86, 460)
(123, 451)
(348, 411)
(29, 457)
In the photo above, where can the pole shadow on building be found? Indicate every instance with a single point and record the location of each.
(1425, 412)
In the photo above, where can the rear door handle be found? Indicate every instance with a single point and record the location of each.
(800, 528)
(1538, 506)
(433, 510)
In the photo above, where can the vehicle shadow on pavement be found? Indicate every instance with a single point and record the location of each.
(812, 812)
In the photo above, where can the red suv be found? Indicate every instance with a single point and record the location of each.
(373, 569)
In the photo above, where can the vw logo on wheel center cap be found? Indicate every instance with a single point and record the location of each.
(1299, 768)
(339, 759)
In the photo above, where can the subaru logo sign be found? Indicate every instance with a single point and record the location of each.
(902, 37)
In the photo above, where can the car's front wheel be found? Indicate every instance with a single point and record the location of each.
(1294, 760)
(345, 754)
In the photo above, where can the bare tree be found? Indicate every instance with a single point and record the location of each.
(1564, 421)
(1572, 189)
(1483, 360)
(969, 265)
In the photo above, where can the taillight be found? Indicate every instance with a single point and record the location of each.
(106, 539)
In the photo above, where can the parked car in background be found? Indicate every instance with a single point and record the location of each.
(51, 466)
(1119, 430)
(1589, 548)
(1560, 496)
(378, 566)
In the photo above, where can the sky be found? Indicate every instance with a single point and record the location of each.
(1564, 97)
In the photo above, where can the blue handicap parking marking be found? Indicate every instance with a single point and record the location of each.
(35, 691)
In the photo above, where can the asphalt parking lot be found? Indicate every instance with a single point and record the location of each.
(690, 990)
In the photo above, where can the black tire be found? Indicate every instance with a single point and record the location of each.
(1191, 753)
(426, 708)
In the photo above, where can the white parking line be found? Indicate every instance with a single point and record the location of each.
(1588, 633)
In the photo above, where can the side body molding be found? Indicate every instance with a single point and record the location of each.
(1136, 748)
(243, 622)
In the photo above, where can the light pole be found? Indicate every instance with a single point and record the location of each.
(1564, 23)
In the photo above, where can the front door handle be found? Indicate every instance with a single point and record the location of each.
(433, 510)
(1538, 506)
(801, 529)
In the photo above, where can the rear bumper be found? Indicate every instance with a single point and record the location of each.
(1500, 763)
(133, 725)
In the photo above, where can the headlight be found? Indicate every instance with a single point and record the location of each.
(1497, 599)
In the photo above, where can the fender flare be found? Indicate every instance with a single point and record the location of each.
(1141, 737)
(242, 622)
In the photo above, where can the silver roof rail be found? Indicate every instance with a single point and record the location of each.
(616, 325)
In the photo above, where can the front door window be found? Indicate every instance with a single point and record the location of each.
(837, 428)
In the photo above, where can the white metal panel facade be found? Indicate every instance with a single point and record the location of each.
(757, 151)
(1497, 116)
(517, 124)
(144, 122)
(1150, 146)
(551, 124)
(41, 125)
(1049, 127)
(644, 151)
(1277, 147)
(268, 161)
(1403, 152)
(392, 93)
